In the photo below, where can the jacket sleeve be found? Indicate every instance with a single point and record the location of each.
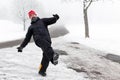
(27, 38)
(49, 21)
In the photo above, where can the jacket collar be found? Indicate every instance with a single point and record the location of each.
(34, 20)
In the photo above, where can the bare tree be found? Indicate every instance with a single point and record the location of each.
(86, 5)
(21, 8)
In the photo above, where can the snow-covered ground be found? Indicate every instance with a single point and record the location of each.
(80, 63)
(25, 66)
(88, 60)
(104, 37)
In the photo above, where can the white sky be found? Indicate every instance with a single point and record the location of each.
(101, 12)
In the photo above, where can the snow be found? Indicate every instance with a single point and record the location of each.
(10, 31)
(88, 60)
(81, 63)
(25, 66)
(102, 37)
(87, 56)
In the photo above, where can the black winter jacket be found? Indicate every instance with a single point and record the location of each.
(39, 30)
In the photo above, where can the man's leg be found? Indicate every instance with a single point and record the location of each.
(44, 64)
(50, 54)
(48, 50)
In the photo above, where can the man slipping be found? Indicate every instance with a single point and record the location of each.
(39, 30)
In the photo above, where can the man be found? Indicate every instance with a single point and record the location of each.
(39, 30)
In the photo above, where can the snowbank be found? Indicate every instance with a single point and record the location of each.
(102, 37)
(10, 31)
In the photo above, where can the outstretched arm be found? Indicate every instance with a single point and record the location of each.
(26, 40)
(52, 20)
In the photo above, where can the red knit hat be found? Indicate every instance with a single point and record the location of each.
(31, 12)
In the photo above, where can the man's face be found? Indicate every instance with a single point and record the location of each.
(33, 15)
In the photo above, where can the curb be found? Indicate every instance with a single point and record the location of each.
(10, 43)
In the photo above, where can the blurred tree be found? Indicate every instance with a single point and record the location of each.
(86, 5)
(21, 8)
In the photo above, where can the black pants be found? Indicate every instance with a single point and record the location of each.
(44, 63)
(47, 53)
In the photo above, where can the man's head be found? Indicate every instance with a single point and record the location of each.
(32, 14)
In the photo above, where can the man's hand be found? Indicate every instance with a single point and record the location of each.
(19, 49)
(56, 16)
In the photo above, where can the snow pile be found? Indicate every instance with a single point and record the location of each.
(103, 37)
(10, 31)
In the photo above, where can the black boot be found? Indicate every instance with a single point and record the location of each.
(55, 58)
(42, 73)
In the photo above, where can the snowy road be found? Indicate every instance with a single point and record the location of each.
(90, 61)
(80, 63)
(24, 66)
